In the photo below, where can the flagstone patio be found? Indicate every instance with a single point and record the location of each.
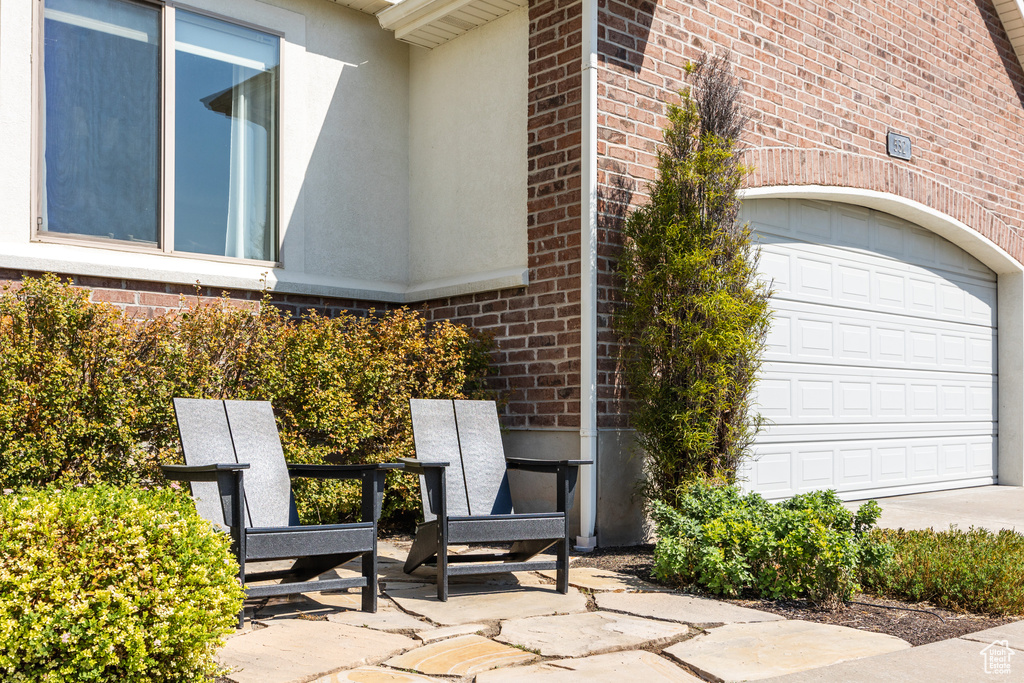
(516, 627)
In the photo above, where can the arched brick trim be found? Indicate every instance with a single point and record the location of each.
(775, 166)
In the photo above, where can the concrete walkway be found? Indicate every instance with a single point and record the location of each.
(991, 507)
(610, 627)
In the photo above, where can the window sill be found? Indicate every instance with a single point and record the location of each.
(143, 248)
(72, 257)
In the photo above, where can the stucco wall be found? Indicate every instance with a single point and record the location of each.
(345, 193)
(467, 155)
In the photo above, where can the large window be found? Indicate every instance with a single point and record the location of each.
(160, 129)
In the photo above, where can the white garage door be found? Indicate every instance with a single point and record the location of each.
(880, 372)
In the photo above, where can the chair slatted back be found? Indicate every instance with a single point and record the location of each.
(214, 431)
(205, 440)
(268, 489)
(437, 440)
(483, 458)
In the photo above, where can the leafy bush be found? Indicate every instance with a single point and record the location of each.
(695, 315)
(974, 570)
(108, 584)
(346, 387)
(725, 542)
(71, 378)
(85, 391)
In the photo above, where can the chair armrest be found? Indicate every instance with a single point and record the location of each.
(201, 472)
(533, 465)
(337, 471)
(419, 466)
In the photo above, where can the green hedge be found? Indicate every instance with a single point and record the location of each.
(809, 546)
(109, 584)
(974, 570)
(85, 391)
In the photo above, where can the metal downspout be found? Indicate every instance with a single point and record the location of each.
(588, 278)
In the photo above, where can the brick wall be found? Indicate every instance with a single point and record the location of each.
(824, 83)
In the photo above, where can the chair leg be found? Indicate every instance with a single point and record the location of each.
(442, 560)
(562, 575)
(241, 618)
(370, 575)
(424, 547)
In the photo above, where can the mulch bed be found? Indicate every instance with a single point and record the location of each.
(916, 623)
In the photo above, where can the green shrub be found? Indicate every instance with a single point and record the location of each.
(695, 315)
(974, 570)
(345, 388)
(71, 377)
(85, 391)
(107, 584)
(725, 542)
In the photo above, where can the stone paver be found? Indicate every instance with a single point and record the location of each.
(686, 609)
(346, 608)
(296, 649)
(617, 667)
(604, 580)
(306, 605)
(947, 660)
(1013, 634)
(469, 604)
(391, 620)
(431, 635)
(393, 573)
(394, 577)
(590, 633)
(375, 674)
(742, 652)
(389, 552)
(462, 656)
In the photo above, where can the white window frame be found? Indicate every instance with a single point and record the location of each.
(166, 168)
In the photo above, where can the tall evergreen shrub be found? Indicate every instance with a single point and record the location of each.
(695, 314)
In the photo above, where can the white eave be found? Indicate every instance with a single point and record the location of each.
(429, 23)
(1011, 13)
(368, 6)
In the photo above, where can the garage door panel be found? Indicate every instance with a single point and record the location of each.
(850, 466)
(794, 393)
(791, 434)
(925, 460)
(880, 367)
(829, 275)
(854, 465)
(861, 231)
(812, 222)
(817, 333)
(854, 229)
(854, 284)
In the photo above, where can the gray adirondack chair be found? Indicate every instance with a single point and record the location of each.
(466, 498)
(227, 441)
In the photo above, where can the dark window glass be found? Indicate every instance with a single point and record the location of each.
(102, 119)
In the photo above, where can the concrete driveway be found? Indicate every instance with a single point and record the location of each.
(991, 507)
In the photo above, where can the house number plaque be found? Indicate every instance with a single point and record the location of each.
(898, 146)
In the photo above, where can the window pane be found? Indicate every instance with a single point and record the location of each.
(102, 146)
(226, 136)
